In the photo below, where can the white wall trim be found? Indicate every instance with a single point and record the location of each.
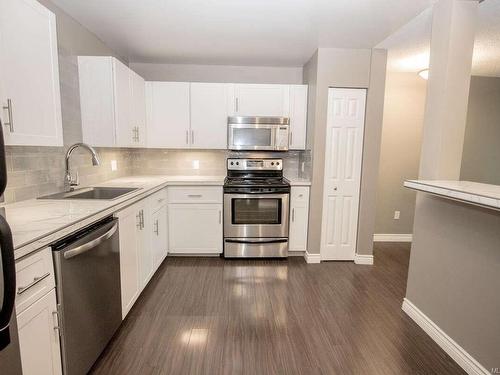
(312, 258)
(387, 237)
(455, 351)
(363, 259)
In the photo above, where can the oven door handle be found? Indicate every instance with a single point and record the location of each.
(278, 240)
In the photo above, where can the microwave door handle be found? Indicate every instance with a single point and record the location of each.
(9, 281)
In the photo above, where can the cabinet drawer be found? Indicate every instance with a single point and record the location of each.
(195, 194)
(35, 278)
(299, 194)
(157, 199)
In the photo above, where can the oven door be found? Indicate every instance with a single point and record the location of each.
(256, 215)
(251, 137)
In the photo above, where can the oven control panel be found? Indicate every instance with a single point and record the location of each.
(255, 164)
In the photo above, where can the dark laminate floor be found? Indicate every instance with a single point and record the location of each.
(211, 316)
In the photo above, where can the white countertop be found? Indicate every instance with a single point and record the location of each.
(36, 223)
(298, 181)
(475, 193)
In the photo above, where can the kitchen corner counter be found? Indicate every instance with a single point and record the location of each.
(298, 181)
(37, 223)
(484, 195)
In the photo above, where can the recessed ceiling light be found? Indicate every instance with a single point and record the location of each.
(424, 74)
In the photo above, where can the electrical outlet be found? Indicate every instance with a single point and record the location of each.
(396, 215)
(114, 165)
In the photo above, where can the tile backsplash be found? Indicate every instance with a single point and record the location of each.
(37, 171)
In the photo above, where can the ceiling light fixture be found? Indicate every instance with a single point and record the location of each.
(424, 74)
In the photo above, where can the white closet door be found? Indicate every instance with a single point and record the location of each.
(167, 108)
(344, 148)
(29, 74)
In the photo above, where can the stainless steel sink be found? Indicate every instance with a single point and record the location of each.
(99, 193)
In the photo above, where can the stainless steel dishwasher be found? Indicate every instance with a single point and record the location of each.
(87, 267)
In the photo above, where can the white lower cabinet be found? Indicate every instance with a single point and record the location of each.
(159, 236)
(130, 224)
(39, 337)
(299, 218)
(195, 228)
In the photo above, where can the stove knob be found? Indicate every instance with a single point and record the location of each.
(272, 163)
(277, 163)
(232, 163)
(237, 163)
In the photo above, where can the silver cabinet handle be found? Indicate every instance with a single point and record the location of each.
(293, 214)
(335, 188)
(10, 124)
(90, 245)
(291, 138)
(57, 328)
(141, 215)
(192, 137)
(138, 134)
(35, 281)
(138, 219)
(187, 137)
(237, 104)
(157, 229)
(195, 195)
(220, 217)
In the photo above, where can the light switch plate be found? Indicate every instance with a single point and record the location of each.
(397, 214)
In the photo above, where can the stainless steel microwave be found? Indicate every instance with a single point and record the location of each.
(258, 133)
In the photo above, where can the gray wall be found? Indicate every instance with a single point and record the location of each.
(453, 275)
(218, 73)
(330, 67)
(400, 151)
(481, 152)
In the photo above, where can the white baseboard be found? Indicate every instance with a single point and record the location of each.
(312, 258)
(363, 259)
(455, 351)
(381, 237)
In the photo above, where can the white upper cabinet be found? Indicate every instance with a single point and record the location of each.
(210, 106)
(298, 117)
(30, 99)
(261, 100)
(112, 102)
(123, 104)
(97, 101)
(167, 113)
(138, 121)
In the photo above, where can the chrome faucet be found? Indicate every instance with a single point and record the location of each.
(69, 181)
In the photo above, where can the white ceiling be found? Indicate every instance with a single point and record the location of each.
(239, 32)
(409, 46)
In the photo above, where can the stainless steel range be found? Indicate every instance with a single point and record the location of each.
(256, 208)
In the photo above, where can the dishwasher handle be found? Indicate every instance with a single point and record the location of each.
(91, 244)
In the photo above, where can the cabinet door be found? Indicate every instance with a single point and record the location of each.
(129, 223)
(261, 100)
(96, 81)
(144, 244)
(298, 117)
(39, 337)
(209, 111)
(159, 242)
(138, 120)
(299, 218)
(123, 104)
(167, 111)
(29, 74)
(195, 228)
